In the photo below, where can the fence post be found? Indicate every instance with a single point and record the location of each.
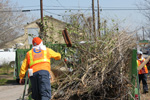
(26, 78)
(30, 98)
(134, 75)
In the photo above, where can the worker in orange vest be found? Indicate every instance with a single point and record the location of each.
(143, 72)
(37, 62)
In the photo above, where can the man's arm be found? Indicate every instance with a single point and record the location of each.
(23, 69)
(54, 54)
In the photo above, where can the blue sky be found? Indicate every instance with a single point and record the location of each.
(132, 18)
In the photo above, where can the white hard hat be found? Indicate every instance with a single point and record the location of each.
(139, 52)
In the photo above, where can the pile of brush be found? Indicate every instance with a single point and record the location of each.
(102, 70)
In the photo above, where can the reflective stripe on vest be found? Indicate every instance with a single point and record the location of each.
(33, 62)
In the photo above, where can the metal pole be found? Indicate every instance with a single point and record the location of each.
(136, 36)
(105, 26)
(143, 33)
(98, 18)
(41, 24)
(41, 8)
(90, 28)
(26, 77)
(134, 74)
(93, 20)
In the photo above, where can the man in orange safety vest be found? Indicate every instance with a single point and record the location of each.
(37, 62)
(143, 72)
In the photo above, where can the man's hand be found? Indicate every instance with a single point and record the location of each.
(21, 81)
(52, 79)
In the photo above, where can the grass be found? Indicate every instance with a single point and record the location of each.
(6, 74)
(5, 69)
(3, 81)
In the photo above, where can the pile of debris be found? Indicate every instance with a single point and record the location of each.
(102, 72)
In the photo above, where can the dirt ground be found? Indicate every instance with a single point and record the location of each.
(147, 95)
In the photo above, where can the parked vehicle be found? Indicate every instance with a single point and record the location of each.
(1, 50)
(7, 57)
(145, 50)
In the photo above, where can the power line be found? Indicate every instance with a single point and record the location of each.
(95, 9)
(73, 6)
(19, 7)
(60, 4)
(28, 6)
(77, 8)
(52, 13)
(88, 7)
(126, 9)
(68, 9)
(67, 6)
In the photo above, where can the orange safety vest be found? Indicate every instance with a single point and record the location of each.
(144, 70)
(38, 59)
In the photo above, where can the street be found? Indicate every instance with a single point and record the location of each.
(11, 92)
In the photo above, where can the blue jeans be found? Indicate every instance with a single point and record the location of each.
(143, 78)
(41, 87)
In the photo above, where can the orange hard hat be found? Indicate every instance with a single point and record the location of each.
(36, 41)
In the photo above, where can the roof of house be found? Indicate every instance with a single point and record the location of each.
(49, 17)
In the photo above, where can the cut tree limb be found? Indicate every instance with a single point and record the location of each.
(143, 64)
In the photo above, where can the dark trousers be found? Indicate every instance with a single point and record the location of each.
(143, 77)
(41, 87)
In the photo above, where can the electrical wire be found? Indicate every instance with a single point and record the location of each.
(52, 13)
(100, 9)
(94, 7)
(20, 7)
(69, 9)
(73, 7)
(60, 4)
(66, 6)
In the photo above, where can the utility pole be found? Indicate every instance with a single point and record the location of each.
(41, 24)
(137, 40)
(136, 36)
(90, 27)
(143, 32)
(98, 13)
(41, 8)
(93, 12)
(105, 26)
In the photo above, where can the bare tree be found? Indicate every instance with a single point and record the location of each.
(11, 21)
(144, 7)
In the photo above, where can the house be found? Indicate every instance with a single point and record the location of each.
(53, 28)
